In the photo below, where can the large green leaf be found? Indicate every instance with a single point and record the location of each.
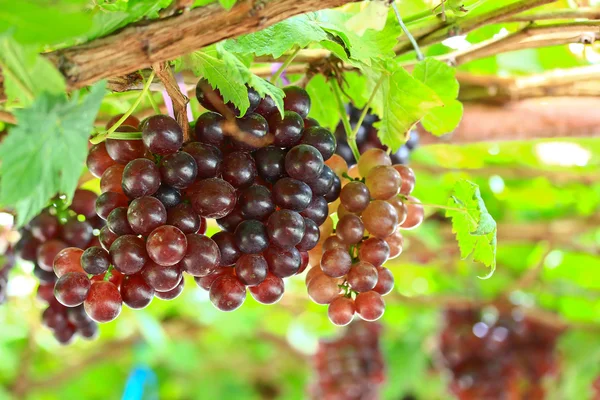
(45, 153)
(45, 22)
(441, 78)
(26, 73)
(473, 225)
(110, 16)
(401, 101)
(275, 40)
(228, 73)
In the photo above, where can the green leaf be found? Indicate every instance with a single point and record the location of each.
(115, 15)
(45, 153)
(474, 227)
(228, 73)
(400, 102)
(442, 120)
(25, 71)
(227, 4)
(299, 31)
(208, 64)
(323, 106)
(441, 78)
(363, 49)
(43, 23)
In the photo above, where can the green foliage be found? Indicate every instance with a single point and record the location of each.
(440, 77)
(27, 73)
(226, 72)
(110, 16)
(227, 4)
(401, 101)
(44, 22)
(275, 40)
(473, 225)
(322, 108)
(45, 153)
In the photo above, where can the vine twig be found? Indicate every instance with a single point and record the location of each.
(410, 37)
(286, 64)
(101, 137)
(180, 101)
(344, 117)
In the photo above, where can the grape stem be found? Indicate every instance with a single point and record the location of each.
(150, 98)
(367, 106)
(344, 117)
(285, 64)
(410, 37)
(102, 136)
(108, 273)
(439, 206)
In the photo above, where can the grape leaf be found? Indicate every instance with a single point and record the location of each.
(363, 49)
(228, 73)
(26, 71)
(45, 153)
(441, 78)
(208, 64)
(114, 15)
(473, 225)
(323, 109)
(400, 102)
(227, 4)
(299, 31)
(45, 23)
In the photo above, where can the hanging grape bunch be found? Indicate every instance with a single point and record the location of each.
(7, 262)
(366, 138)
(262, 178)
(351, 366)
(59, 233)
(499, 354)
(374, 205)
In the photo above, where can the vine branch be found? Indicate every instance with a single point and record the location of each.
(179, 100)
(141, 45)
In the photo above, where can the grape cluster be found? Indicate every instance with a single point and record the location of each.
(8, 262)
(366, 138)
(497, 354)
(57, 230)
(262, 178)
(351, 366)
(349, 274)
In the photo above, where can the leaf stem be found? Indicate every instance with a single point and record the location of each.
(407, 33)
(344, 117)
(285, 64)
(150, 98)
(101, 137)
(439, 206)
(367, 106)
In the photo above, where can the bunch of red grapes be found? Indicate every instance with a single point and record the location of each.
(264, 180)
(54, 231)
(502, 356)
(351, 366)
(366, 138)
(374, 205)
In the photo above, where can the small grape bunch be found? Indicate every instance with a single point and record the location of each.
(348, 270)
(350, 366)
(7, 261)
(48, 234)
(366, 138)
